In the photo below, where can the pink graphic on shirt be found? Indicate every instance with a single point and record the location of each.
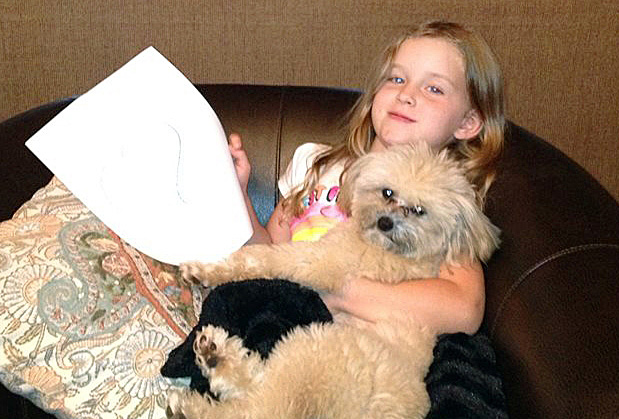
(319, 217)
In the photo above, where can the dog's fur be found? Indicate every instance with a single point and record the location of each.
(411, 211)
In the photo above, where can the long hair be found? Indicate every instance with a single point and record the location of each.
(485, 89)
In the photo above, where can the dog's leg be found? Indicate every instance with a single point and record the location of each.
(246, 263)
(188, 404)
(410, 340)
(230, 367)
(409, 405)
(310, 264)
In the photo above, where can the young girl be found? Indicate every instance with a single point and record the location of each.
(438, 83)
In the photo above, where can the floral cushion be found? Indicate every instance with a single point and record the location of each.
(86, 320)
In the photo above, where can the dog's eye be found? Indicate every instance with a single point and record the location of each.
(387, 193)
(418, 210)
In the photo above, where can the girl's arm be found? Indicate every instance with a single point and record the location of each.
(275, 231)
(453, 302)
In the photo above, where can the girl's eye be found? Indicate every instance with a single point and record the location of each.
(396, 80)
(435, 90)
(387, 193)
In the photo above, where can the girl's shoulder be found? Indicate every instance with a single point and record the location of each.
(306, 153)
(302, 159)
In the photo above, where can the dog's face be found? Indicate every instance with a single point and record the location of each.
(417, 203)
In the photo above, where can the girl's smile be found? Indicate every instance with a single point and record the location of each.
(400, 117)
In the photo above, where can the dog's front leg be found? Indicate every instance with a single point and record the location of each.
(245, 263)
(250, 262)
(308, 264)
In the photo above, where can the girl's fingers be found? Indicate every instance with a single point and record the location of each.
(235, 141)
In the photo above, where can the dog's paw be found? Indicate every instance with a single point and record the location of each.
(225, 362)
(208, 348)
(193, 273)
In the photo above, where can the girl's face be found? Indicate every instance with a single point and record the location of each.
(424, 97)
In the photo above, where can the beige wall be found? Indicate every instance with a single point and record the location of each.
(560, 58)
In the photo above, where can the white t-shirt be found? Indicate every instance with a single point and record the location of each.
(321, 212)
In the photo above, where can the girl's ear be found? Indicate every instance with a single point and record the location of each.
(471, 126)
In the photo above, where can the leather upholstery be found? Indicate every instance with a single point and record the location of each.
(551, 289)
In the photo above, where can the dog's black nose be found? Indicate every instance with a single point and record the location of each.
(385, 223)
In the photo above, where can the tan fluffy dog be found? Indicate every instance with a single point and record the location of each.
(411, 211)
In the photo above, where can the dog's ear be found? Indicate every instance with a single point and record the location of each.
(347, 185)
(344, 198)
(475, 236)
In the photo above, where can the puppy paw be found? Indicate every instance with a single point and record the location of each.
(208, 353)
(224, 361)
(193, 273)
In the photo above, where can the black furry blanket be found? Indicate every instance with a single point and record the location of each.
(463, 381)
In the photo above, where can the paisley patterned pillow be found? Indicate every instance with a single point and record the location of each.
(86, 321)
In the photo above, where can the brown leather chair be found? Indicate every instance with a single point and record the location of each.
(551, 289)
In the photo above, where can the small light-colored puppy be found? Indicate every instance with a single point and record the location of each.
(411, 211)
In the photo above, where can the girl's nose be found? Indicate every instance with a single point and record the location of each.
(406, 96)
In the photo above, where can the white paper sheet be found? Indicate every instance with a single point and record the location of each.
(145, 152)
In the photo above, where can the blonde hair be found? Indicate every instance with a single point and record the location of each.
(485, 89)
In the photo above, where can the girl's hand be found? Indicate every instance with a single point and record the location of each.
(243, 169)
(241, 161)
(335, 301)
